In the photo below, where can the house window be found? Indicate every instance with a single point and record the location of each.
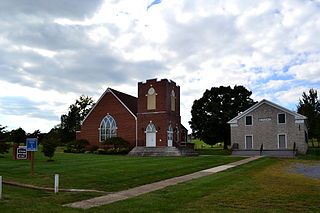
(151, 99)
(151, 128)
(282, 141)
(108, 128)
(281, 118)
(249, 142)
(173, 101)
(249, 120)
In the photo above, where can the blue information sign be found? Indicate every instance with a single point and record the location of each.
(32, 144)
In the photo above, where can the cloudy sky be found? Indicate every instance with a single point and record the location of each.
(54, 51)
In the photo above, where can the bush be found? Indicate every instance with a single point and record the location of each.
(49, 147)
(91, 148)
(117, 142)
(101, 151)
(77, 146)
(4, 147)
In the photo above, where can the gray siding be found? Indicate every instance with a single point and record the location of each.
(265, 130)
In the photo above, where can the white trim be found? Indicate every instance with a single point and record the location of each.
(123, 104)
(145, 113)
(245, 141)
(299, 121)
(264, 101)
(285, 139)
(285, 118)
(233, 125)
(245, 120)
(105, 92)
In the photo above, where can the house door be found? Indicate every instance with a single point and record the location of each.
(150, 139)
(151, 135)
(170, 135)
(249, 141)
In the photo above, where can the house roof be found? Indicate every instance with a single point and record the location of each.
(128, 101)
(264, 101)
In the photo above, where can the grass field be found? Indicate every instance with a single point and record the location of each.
(104, 172)
(264, 185)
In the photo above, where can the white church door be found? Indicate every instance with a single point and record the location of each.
(151, 135)
(170, 135)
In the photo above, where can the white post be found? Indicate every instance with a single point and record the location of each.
(56, 183)
(0, 187)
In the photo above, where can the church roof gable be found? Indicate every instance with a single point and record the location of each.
(128, 101)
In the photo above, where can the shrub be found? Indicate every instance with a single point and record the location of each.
(77, 146)
(49, 147)
(4, 147)
(101, 151)
(117, 142)
(93, 148)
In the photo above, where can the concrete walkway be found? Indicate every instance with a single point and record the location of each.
(122, 195)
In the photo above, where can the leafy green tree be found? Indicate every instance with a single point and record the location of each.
(70, 123)
(49, 147)
(214, 109)
(18, 136)
(4, 147)
(309, 106)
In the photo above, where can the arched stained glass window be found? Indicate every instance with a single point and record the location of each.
(108, 128)
(151, 99)
(173, 101)
(151, 128)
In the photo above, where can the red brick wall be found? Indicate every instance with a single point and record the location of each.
(162, 116)
(125, 121)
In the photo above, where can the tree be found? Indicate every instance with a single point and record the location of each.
(70, 123)
(37, 134)
(4, 147)
(18, 136)
(214, 109)
(309, 106)
(49, 147)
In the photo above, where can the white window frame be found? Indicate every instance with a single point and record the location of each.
(285, 118)
(245, 141)
(99, 129)
(285, 140)
(245, 120)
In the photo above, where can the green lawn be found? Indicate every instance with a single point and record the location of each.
(264, 185)
(104, 172)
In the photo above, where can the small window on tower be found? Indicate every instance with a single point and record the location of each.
(151, 99)
(173, 101)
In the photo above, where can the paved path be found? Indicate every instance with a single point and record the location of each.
(122, 195)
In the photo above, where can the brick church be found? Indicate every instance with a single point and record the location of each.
(151, 120)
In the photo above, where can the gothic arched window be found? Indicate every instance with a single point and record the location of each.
(151, 128)
(151, 99)
(108, 128)
(173, 101)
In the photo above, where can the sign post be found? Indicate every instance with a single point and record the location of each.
(22, 153)
(32, 145)
(56, 183)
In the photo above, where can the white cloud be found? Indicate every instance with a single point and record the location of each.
(52, 53)
(309, 71)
